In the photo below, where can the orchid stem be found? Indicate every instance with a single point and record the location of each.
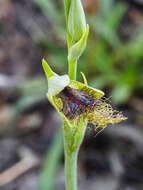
(72, 69)
(70, 158)
(71, 170)
(72, 141)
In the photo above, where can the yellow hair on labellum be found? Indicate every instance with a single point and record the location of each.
(104, 114)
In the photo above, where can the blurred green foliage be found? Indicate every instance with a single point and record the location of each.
(30, 93)
(52, 162)
(108, 61)
(117, 64)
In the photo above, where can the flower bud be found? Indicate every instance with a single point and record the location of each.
(76, 21)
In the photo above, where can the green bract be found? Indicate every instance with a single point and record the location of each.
(77, 48)
(76, 21)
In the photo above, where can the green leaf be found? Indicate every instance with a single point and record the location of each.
(116, 15)
(52, 163)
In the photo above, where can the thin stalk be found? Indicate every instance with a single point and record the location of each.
(72, 141)
(72, 69)
(71, 170)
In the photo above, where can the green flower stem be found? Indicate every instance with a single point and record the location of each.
(71, 170)
(73, 137)
(72, 69)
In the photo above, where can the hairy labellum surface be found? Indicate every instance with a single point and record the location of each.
(76, 102)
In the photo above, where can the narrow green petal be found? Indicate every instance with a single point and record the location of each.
(84, 78)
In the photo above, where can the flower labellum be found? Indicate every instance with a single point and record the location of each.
(75, 102)
(82, 101)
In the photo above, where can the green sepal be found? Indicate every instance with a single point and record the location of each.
(80, 86)
(48, 71)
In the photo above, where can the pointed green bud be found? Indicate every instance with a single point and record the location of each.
(76, 21)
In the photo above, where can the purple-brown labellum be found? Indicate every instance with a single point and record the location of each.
(76, 102)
